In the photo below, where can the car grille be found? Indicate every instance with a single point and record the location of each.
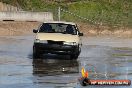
(55, 42)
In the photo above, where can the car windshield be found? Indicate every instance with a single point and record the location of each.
(58, 28)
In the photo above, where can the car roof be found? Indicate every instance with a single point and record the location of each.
(64, 22)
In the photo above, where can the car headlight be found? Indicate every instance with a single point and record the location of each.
(40, 41)
(70, 43)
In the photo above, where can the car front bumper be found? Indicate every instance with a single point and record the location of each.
(55, 48)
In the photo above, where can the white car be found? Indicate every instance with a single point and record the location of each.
(57, 37)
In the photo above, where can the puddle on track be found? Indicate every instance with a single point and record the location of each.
(19, 70)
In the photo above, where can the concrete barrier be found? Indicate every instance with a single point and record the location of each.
(26, 16)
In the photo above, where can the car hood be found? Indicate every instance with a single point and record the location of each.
(58, 37)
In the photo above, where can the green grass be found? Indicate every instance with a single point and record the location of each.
(119, 55)
(122, 48)
(129, 60)
(107, 12)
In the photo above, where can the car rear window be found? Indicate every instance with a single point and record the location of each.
(58, 28)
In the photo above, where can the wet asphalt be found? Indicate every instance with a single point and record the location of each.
(104, 58)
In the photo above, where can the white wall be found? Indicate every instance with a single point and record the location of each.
(26, 16)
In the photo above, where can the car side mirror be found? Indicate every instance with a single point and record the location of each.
(80, 34)
(35, 31)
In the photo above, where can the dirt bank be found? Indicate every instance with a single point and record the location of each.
(93, 30)
(25, 28)
(17, 28)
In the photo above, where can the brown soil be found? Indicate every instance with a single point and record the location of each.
(25, 28)
(17, 28)
(92, 30)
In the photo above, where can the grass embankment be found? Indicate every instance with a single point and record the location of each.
(105, 12)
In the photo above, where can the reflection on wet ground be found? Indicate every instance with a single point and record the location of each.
(50, 67)
(58, 73)
(103, 61)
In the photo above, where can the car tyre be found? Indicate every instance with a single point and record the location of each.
(76, 54)
(36, 54)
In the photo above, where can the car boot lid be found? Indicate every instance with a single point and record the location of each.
(58, 37)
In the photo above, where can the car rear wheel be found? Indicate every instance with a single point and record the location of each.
(76, 54)
(36, 54)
